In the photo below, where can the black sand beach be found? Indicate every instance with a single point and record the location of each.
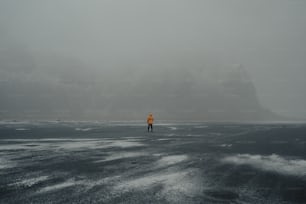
(70, 162)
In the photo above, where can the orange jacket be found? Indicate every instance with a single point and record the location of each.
(150, 119)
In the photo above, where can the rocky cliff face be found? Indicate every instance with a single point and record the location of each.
(52, 87)
(212, 94)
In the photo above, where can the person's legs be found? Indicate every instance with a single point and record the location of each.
(150, 126)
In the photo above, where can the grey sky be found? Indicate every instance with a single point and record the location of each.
(268, 38)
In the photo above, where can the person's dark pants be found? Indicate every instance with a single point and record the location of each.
(150, 126)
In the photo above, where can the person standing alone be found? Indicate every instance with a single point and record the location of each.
(150, 121)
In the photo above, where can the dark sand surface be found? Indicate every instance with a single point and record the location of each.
(178, 163)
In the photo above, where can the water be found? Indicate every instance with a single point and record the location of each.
(71, 162)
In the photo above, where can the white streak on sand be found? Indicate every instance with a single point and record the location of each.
(6, 164)
(85, 183)
(225, 145)
(22, 129)
(59, 186)
(171, 160)
(123, 144)
(122, 155)
(48, 140)
(173, 128)
(164, 139)
(175, 185)
(272, 163)
(67, 144)
(31, 181)
(83, 129)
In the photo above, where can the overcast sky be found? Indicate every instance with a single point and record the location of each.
(266, 37)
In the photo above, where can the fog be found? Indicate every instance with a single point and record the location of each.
(210, 60)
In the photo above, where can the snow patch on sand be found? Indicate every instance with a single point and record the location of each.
(173, 128)
(171, 160)
(99, 144)
(78, 145)
(124, 144)
(225, 145)
(59, 186)
(67, 144)
(157, 154)
(83, 129)
(193, 135)
(175, 185)
(104, 181)
(122, 155)
(31, 181)
(272, 163)
(48, 140)
(6, 164)
(201, 126)
(22, 129)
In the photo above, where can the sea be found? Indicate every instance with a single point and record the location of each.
(120, 162)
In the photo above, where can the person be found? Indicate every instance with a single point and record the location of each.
(150, 120)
